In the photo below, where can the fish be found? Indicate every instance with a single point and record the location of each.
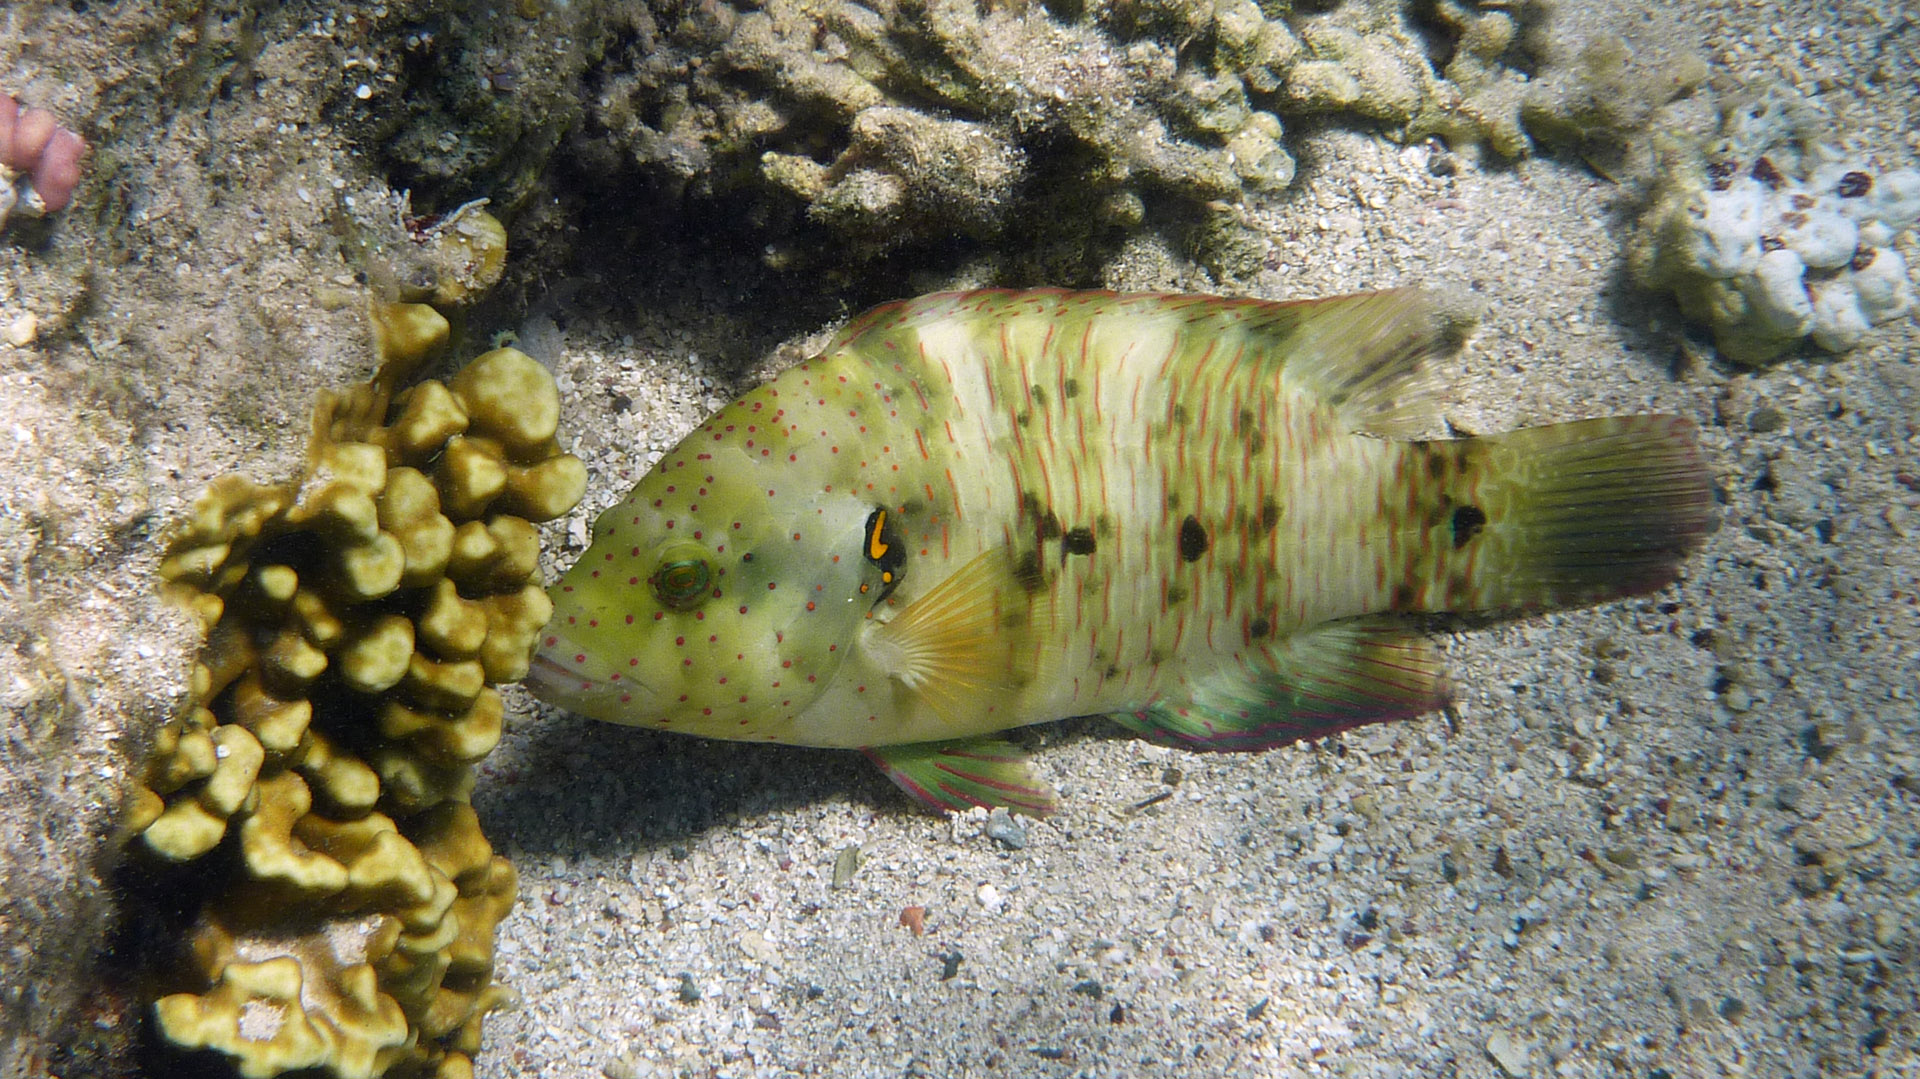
(1222, 522)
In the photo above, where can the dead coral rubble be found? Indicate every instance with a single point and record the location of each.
(901, 121)
(829, 133)
(357, 619)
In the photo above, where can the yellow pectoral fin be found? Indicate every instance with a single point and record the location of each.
(971, 641)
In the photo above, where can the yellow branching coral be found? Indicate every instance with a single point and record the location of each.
(357, 619)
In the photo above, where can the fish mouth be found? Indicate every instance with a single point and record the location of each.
(616, 699)
(546, 678)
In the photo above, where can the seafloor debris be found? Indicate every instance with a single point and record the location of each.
(357, 619)
(1770, 235)
(39, 161)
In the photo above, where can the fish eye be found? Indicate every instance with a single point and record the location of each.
(684, 579)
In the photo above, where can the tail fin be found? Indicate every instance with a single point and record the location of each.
(1566, 515)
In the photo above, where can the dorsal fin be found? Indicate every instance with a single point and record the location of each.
(1365, 354)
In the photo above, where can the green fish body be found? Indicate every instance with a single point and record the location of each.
(1211, 519)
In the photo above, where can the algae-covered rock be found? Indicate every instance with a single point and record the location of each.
(356, 618)
(1600, 99)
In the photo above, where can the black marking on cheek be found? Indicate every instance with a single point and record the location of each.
(1078, 541)
(1193, 540)
(1467, 523)
(884, 551)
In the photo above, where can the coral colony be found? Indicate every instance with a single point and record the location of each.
(358, 619)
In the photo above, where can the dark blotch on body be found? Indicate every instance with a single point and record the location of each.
(1193, 540)
(1467, 523)
(1027, 572)
(1079, 541)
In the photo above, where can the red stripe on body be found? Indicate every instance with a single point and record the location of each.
(1073, 469)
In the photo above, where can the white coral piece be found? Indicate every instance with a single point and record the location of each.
(1771, 240)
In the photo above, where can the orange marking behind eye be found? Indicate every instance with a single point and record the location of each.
(876, 549)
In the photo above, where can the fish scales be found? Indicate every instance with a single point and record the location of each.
(975, 511)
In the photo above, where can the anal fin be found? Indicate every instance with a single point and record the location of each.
(1312, 684)
(964, 772)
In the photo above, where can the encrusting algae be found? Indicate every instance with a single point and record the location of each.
(357, 619)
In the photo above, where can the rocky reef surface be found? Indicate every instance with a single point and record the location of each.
(1707, 801)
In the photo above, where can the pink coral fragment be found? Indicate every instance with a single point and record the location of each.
(33, 142)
